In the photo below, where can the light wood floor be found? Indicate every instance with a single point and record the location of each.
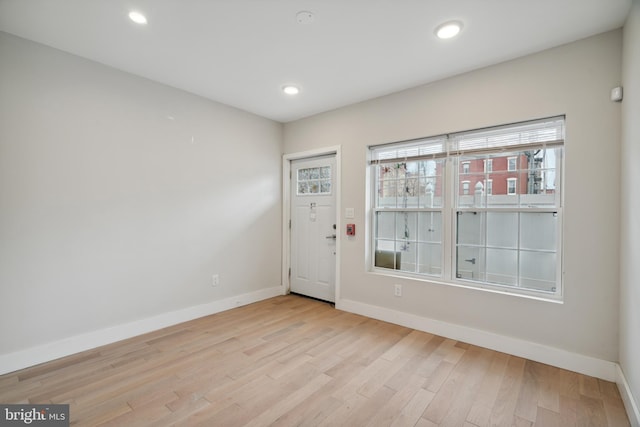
(292, 361)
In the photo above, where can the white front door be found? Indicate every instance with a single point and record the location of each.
(313, 227)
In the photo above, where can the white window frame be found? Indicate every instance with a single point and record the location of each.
(515, 164)
(466, 167)
(511, 192)
(488, 165)
(451, 190)
(489, 186)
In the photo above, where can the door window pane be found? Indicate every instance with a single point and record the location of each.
(314, 180)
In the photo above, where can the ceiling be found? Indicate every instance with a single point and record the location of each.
(241, 52)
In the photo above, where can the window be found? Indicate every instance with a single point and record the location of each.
(408, 208)
(500, 229)
(314, 180)
(465, 187)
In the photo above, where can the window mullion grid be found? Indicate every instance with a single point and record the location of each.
(518, 245)
(395, 237)
(484, 241)
(412, 209)
(451, 178)
(449, 220)
(559, 254)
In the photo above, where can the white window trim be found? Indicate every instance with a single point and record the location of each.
(515, 164)
(448, 244)
(487, 187)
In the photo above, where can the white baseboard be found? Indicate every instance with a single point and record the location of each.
(44, 353)
(540, 353)
(630, 404)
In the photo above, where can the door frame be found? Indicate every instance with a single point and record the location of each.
(286, 211)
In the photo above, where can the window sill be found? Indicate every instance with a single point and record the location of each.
(556, 299)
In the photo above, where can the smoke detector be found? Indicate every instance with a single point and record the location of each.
(305, 17)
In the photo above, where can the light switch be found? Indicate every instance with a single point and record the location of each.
(349, 213)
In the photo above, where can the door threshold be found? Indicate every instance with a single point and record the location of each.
(332, 304)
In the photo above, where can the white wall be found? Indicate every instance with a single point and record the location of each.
(575, 80)
(110, 211)
(630, 224)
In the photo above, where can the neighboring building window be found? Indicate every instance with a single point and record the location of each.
(509, 241)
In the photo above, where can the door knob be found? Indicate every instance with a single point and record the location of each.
(333, 236)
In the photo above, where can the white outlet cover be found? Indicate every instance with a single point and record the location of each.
(350, 213)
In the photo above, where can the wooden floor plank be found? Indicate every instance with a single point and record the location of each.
(591, 412)
(393, 408)
(527, 405)
(569, 411)
(503, 411)
(369, 408)
(413, 410)
(293, 361)
(480, 412)
(472, 368)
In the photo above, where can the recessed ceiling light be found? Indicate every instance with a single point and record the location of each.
(291, 89)
(137, 17)
(448, 29)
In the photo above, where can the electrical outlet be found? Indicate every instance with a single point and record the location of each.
(397, 290)
(216, 280)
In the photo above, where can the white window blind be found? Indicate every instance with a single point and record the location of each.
(546, 132)
(422, 149)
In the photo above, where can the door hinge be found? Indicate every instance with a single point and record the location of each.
(289, 272)
(289, 224)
